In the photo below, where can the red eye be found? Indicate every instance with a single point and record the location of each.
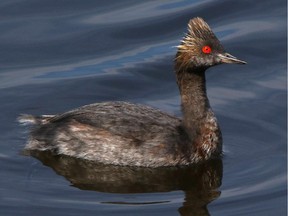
(206, 49)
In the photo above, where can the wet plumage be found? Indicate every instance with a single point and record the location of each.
(122, 133)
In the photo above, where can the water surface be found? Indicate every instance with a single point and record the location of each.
(58, 55)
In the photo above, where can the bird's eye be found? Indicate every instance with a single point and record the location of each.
(206, 49)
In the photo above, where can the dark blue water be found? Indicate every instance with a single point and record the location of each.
(58, 55)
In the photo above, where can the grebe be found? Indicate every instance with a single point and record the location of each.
(123, 133)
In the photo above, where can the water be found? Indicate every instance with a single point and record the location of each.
(58, 55)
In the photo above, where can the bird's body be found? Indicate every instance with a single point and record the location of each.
(122, 133)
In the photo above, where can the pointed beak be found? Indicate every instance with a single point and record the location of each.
(229, 59)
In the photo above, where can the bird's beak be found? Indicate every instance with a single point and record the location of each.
(229, 59)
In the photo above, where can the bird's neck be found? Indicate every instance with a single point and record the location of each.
(194, 100)
(198, 121)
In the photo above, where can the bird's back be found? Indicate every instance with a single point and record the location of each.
(114, 132)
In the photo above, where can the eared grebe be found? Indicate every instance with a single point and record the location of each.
(122, 133)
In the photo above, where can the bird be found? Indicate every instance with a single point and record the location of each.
(127, 134)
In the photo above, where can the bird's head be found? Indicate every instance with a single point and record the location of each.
(200, 48)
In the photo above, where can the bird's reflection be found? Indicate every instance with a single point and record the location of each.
(200, 182)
